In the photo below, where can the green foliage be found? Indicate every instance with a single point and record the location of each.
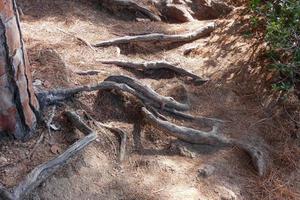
(281, 19)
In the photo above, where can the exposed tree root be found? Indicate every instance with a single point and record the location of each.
(159, 37)
(121, 134)
(43, 171)
(120, 83)
(186, 134)
(41, 138)
(123, 139)
(146, 66)
(193, 136)
(129, 4)
(205, 121)
(153, 100)
(146, 91)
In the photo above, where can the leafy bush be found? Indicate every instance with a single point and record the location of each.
(281, 19)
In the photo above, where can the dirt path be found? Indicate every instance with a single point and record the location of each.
(154, 167)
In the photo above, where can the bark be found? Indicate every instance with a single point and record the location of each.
(18, 102)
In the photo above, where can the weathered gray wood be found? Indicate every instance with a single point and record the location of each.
(148, 92)
(43, 171)
(258, 156)
(159, 37)
(186, 134)
(120, 83)
(201, 120)
(146, 66)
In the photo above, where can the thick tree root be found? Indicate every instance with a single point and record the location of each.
(120, 83)
(193, 136)
(146, 91)
(203, 121)
(43, 171)
(153, 100)
(158, 37)
(147, 66)
(186, 134)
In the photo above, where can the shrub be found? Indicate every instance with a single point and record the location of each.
(281, 19)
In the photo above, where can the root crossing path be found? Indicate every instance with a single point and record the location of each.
(163, 117)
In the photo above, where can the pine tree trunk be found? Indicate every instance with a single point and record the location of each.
(18, 102)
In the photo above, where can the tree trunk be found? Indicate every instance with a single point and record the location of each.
(18, 102)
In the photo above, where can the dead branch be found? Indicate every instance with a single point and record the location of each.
(258, 156)
(159, 37)
(43, 171)
(149, 93)
(146, 66)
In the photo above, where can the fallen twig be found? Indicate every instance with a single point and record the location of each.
(146, 66)
(159, 37)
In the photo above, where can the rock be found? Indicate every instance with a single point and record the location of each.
(206, 171)
(177, 13)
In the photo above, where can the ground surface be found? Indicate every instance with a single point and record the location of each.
(155, 168)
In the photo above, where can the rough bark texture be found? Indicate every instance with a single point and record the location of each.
(18, 102)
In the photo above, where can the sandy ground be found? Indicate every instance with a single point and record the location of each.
(156, 166)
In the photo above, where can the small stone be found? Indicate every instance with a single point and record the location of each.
(206, 171)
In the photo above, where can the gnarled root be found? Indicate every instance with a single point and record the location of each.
(146, 91)
(193, 136)
(120, 83)
(146, 66)
(43, 171)
(159, 37)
